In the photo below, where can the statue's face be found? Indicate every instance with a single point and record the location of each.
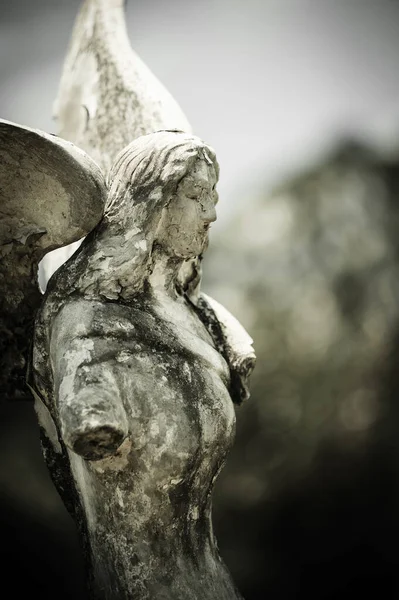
(186, 220)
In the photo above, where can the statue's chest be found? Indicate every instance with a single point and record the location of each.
(174, 385)
(177, 400)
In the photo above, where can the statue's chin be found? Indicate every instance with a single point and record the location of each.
(193, 249)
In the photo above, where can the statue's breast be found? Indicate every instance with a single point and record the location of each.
(174, 387)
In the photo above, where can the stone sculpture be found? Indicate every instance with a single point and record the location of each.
(135, 374)
(134, 371)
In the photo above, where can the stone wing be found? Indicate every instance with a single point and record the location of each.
(107, 95)
(51, 194)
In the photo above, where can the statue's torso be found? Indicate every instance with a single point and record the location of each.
(148, 507)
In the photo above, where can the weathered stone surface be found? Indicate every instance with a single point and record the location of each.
(108, 96)
(51, 193)
(134, 371)
(134, 383)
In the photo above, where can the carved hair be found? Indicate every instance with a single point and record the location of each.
(116, 256)
(149, 169)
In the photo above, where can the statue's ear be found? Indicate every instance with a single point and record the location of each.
(51, 194)
(48, 186)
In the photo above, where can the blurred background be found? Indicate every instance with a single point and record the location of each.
(300, 99)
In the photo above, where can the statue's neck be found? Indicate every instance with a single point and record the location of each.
(113, 271)
(163, 277)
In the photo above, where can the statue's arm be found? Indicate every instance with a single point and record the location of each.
(88, 401)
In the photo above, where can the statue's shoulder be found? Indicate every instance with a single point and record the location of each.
(236, 345)
(81, 318)
(75, 317)
(236, 335)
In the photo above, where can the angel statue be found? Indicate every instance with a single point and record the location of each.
(134, 371)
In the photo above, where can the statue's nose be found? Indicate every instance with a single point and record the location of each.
(208, 213)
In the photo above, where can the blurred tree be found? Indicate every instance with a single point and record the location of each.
(308, 505)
